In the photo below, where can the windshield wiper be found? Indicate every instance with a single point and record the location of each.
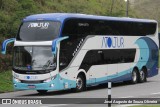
(48, 65)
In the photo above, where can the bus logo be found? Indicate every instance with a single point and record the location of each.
(112, 42)
(29, 67)
(41, 25)
(30, 77)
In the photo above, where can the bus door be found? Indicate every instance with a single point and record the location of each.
(98, 69)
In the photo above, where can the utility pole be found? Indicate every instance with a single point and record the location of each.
(127, 7)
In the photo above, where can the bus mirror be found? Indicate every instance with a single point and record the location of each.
(55, 42)
(5, 43)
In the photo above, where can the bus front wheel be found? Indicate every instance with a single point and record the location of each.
(80, 83)
(134, 79)
(42, 91)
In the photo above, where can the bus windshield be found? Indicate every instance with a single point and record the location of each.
(33, 58)
(38, 31)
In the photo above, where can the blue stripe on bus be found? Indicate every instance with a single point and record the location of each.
(153, 69)
(121, 76)
(151, 63)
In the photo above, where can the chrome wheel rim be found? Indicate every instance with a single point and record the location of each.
(134, 76)
(79, 83)
(142, 75)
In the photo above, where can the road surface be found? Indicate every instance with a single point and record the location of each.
(149, 89)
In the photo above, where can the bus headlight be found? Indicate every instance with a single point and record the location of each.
(49, 79)
(16, 79)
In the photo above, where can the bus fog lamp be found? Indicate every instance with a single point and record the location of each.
(52, 85)
(15, 85)
(17, 80)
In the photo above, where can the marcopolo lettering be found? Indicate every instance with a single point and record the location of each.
(112, 42)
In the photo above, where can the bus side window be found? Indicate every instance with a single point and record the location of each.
(86, 63)
(63, 61)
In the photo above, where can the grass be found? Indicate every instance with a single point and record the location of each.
(146, 106)
(6, 81)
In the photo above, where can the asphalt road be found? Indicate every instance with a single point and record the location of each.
(149, 89)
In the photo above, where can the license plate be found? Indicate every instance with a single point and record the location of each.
(31, 86)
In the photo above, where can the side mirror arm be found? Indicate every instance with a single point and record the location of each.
(5, 43)
(55, 43)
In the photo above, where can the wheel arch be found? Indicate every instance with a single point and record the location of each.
(136, 68)
(138, 71)
(83, 73)
(146, 71)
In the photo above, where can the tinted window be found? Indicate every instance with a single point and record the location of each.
(119, 56)
(38, 31)
(84, 27)
(113, 56)
(68, 49)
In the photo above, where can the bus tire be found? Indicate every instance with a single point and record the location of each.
(80, 83)
(143, 75)
(42, 91)
(135, 76)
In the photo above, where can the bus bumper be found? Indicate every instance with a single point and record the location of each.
(40, 86)
(56, 84)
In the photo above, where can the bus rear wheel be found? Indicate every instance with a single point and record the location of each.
(42, 91)
(143, 76)
(134, 79)
(80, 83)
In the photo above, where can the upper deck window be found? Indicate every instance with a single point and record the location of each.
(84, 27)
(38, 31)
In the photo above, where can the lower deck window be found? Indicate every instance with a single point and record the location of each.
(112, 56)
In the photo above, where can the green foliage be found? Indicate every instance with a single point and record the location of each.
(148, 9)
(13, 11)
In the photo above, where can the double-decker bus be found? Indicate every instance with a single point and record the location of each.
(59, 51)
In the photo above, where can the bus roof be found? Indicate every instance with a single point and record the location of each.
(62, 16)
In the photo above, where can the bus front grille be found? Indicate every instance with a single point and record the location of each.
(32, 82)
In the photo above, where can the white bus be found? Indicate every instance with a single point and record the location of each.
(61, 51)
